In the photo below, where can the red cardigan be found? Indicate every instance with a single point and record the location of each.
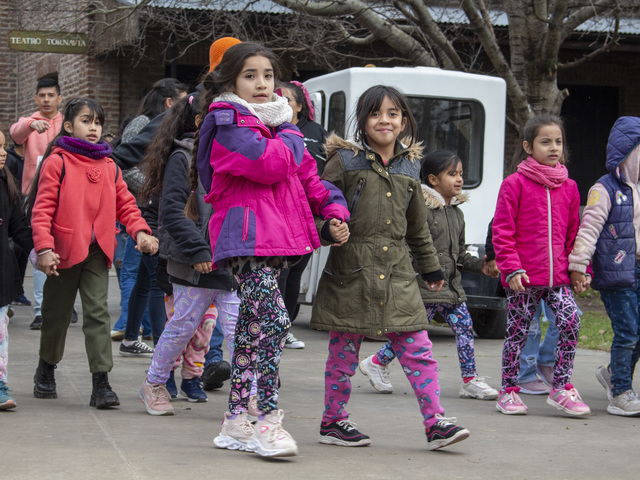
(67, 216)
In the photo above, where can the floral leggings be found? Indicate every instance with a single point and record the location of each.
(413, 350)
(458, 318)
(261, 329)
(520, 311)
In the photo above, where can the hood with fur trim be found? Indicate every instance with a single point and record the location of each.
(434, 200)
(334, 142)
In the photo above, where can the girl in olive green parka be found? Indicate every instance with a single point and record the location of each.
(368, 285)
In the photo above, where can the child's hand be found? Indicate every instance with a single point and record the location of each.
(339, 231)
(146, 243)
(580, 282)
(490, 268)
(437, 285)
(515, 282)
(48, 263)
(202, 267)
(39, 126)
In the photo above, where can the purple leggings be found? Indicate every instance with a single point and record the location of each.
(413, 350)
(520, 311)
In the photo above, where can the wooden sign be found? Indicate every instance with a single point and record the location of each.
(51, 42)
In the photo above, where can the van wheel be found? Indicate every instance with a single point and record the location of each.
(489, 323)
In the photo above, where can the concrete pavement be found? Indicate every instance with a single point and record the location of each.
(66, 439)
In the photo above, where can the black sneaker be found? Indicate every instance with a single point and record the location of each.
(444, 433)
(343, 433)
(138, 349)
(215, 374)
(21, 300)
(37, 323)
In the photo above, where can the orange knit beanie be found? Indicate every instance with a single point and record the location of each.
(218, 48)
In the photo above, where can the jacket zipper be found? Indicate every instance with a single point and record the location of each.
(357, 194)
(550, 237)
(245, 225)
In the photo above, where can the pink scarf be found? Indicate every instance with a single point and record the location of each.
(551, 177)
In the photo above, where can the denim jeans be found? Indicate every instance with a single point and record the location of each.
(121, 240)
(622, 307)
(146, 295)
(214, 355)
(38, 284)
(128, 273)
(537, 353)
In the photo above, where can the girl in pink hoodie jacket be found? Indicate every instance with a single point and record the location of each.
(535, 225)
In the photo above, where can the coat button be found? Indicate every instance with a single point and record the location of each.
(258, 122)
(381, 304)
(1, 221)
(384, 249)
(381, 277)
(307, 249)
(388, 221)
(242, 122)
(388, 194)
(379, 332)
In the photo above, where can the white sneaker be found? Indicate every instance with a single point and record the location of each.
(273, 440)
(237, 434)
(378, 375)
(478, 388)
(292, 342)
(626, 404)
(603, 375)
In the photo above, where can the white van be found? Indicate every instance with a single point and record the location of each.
(456, 111)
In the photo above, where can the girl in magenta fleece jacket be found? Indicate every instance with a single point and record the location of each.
(265, 190)
(535, 225)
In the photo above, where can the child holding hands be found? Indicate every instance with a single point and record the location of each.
(609, 237)
(80, 194)
(534, 228)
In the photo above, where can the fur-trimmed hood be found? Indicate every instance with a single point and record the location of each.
(334, 142)
(434, 200)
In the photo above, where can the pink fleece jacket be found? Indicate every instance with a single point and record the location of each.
(534, 229)
(34, 143)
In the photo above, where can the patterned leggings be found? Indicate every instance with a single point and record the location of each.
(458, 318)
(263, 324)
(413, 350)
(520, 311)
(191, 305)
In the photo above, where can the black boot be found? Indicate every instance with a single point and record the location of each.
(102, 395)
(45, 381)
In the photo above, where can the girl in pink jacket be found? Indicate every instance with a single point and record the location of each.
(536, 222)
(265, 190)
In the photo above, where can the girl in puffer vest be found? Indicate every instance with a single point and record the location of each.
(534, 228)
(265, 190)
(609, 237)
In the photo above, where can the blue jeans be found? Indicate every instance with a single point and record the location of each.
(128, 273)
(38, 284)
(537, 353)
(146, 295)
(622, 307)
(121, 239)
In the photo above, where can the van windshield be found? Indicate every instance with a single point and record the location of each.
(456, 125)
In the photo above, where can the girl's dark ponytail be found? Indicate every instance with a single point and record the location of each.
(210, 91)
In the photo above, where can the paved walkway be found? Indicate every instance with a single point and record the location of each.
(67, 439)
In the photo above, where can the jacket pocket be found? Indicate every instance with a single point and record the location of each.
(342, 293)
(62, 237)
(357, 194)
(406, 294)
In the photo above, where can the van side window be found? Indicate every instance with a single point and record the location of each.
(337, 113)
(456, 125)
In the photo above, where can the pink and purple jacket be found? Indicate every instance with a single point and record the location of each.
(534, 229)
(263, 185)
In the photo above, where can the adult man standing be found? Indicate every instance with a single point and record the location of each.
(35, 132)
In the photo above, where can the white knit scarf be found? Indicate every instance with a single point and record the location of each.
(272, 114)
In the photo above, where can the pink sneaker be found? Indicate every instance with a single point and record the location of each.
(510, 403)
(568, 400)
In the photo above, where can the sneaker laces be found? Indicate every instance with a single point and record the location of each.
(142, 346)
(348, 425)
(291, 338)
(384, 372)
(277, 430)
(4, 389)
(444, 421)
(159, 393)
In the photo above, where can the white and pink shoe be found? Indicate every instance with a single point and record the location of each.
(568, 400)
